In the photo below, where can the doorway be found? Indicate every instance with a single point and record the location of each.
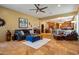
(42, 28)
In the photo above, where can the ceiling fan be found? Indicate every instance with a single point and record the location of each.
(38, 9)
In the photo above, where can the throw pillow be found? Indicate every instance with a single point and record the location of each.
(22, 32)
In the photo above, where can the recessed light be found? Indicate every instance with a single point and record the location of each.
(58, 5)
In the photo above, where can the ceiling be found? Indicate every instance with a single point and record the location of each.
(52, 9)
(61, 19)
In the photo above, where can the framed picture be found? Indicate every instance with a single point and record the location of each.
(23, 23)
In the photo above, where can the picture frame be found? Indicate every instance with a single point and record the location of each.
(23, 23)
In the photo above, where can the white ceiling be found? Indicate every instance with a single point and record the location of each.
(51, 10)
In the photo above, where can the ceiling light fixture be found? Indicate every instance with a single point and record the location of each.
(58, 5)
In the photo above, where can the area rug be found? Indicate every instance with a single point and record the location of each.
(37, 44)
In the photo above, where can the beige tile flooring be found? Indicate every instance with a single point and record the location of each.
(54, 47)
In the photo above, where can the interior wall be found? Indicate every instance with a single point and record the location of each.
(11, 19)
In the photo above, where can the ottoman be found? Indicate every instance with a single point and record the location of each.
(32, 38)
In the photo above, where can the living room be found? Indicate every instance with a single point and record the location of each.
(46, 29)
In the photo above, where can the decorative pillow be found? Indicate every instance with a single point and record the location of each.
(22, 32)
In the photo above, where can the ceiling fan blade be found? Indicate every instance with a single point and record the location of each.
(36, 6)
(32, 9)
(43, 11)
(44, 8)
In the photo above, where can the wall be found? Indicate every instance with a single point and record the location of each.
(11, 19)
